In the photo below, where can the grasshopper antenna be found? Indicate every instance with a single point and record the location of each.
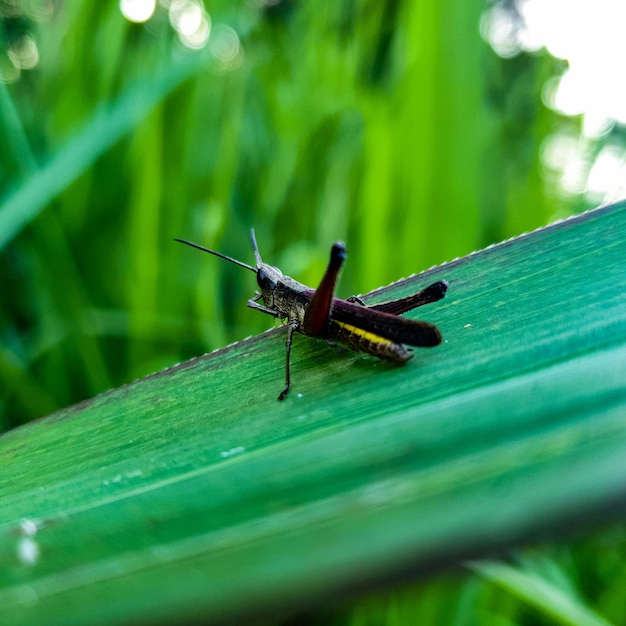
(257, 254)
(222, 256)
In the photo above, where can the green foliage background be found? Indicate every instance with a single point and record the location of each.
(390, 125)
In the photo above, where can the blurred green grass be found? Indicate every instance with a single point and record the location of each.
(390, 125)
(375, 123)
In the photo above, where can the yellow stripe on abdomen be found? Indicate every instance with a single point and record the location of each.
(367, 341)
(365, 334)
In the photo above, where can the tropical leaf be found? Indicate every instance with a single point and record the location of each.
(194, 494)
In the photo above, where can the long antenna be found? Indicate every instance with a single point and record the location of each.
(219, 254)
(257, 254)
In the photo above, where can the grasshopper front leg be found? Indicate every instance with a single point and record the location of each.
(253, 304)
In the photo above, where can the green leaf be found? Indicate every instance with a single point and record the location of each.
(196, 487)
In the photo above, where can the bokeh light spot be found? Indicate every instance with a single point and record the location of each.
(137, 11)
(8, 72)
(191, 22)
(225, 47)
(23, 53)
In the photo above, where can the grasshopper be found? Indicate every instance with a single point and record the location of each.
(375, 329)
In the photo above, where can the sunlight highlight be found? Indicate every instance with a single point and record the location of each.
(137, 11)
(589, 36)
(607, 178)
(591, 41)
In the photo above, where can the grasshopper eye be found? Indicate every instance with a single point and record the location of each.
(264, 280)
